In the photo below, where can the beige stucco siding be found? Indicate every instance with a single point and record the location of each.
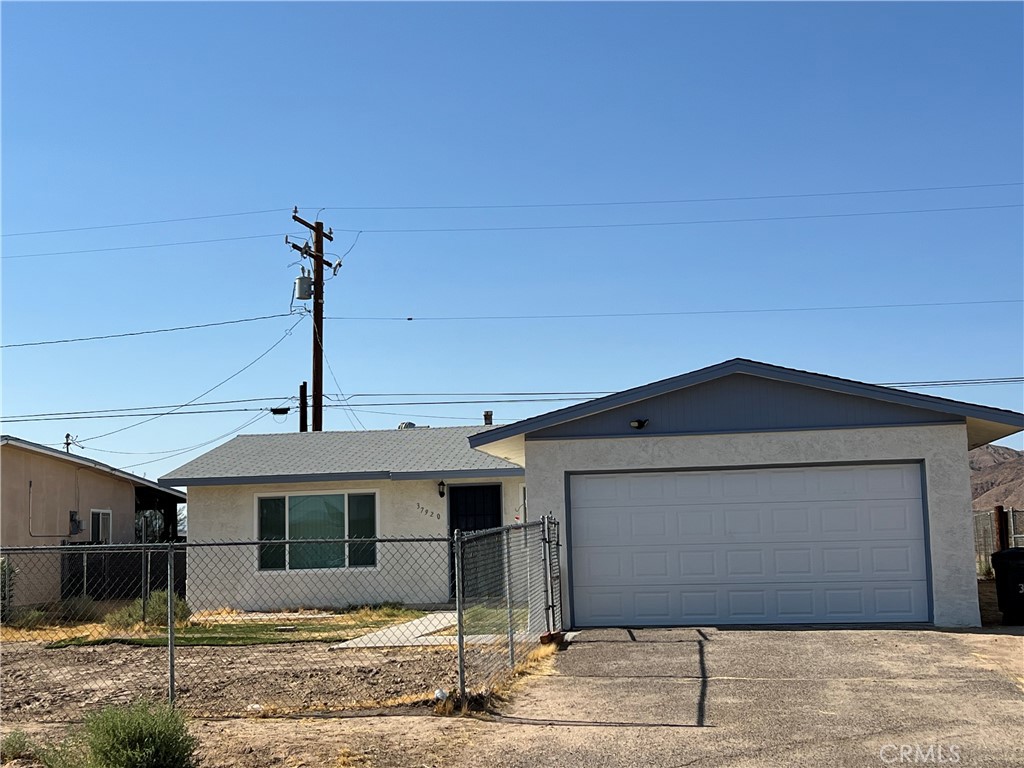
(57, 488)
(229, 577)
(943, 450)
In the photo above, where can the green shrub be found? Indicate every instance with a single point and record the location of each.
(79, 609)
(156, 612)
(141, 735)
(27, 618)
(14, 746)
(7, 573)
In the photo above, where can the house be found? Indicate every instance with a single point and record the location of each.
(420, 483)
(747, 493)
(50, 497)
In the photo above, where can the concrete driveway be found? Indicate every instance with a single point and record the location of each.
(680, 697)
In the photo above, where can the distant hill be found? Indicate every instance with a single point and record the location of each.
(997, 477)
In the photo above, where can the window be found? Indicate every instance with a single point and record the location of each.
(99, 529)
(314, 518)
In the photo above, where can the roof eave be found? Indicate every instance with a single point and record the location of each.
(752, 368)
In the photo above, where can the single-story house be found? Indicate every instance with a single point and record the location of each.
(747, 493)
(50, 497)
(412, 482)
(741, 493)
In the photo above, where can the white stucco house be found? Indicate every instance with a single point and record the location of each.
(419, 484)
(741, 493)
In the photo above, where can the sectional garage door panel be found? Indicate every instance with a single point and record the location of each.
(825, 544)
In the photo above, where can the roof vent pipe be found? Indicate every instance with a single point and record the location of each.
(407, 425)
(488, 418)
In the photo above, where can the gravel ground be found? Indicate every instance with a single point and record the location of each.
(64, 685)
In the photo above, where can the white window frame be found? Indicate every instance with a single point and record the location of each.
(104, 514)
(287, 524)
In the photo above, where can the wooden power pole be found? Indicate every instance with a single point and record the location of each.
(319, 262)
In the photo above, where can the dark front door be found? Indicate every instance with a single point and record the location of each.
(473, 508)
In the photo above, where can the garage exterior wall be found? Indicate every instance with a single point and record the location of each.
(415, 573)
(942, 450)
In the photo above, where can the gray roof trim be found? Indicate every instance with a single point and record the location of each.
(458, 473)
(99, 466)
(752, 368)
(273, 479)
(341, 476)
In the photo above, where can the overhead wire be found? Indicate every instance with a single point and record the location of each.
(583, 204)
(608, 203)
(208, 391)
(526, 228)
(629, 225)
(672, 313)
(353, 417)
(128, 334)
(145, 246)
(144, 223)
(490, 397)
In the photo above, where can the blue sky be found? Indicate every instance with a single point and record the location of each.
(121, 113)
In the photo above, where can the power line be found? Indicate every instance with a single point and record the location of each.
(535, 228)
(144, 333)
(621, 225)
(490, 398)
(146, 245)
(144, 223)
(204, 394)
(585, 204)
(234, 431)
(353, 417)
(674, 313)
(662, 202)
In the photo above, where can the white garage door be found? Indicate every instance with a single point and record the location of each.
(820, 544)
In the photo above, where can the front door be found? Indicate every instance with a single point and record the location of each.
(472, 508)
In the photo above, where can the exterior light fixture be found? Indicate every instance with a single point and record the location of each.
(440, 488)
(638, 423)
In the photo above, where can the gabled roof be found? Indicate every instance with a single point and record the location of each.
(988, 423)
(84, 461)
(390, 454)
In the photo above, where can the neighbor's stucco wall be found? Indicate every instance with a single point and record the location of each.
(943, 449)
(414, 572)
(57, 488)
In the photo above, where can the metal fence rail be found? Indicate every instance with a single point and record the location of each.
(271, 626)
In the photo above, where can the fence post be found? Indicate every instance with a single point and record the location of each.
(170, 623)
(459, 610)
(549, 599)
(145, 583)
(508, 600)
(1002, 528)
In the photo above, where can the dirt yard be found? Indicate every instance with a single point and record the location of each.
(66, 684)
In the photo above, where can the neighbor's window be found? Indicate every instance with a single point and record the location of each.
(315, 518)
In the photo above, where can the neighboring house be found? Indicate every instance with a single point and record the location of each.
(50, 497)
(315, 485)
(746, 493)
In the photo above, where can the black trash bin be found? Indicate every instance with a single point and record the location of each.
(1009, 567)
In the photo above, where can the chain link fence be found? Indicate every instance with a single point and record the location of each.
(984, 542)
(258, 627)
(986, 539)
(506, 600)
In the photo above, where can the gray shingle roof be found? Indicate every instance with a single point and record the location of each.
(376, 454)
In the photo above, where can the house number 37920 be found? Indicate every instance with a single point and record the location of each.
(428, 512)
